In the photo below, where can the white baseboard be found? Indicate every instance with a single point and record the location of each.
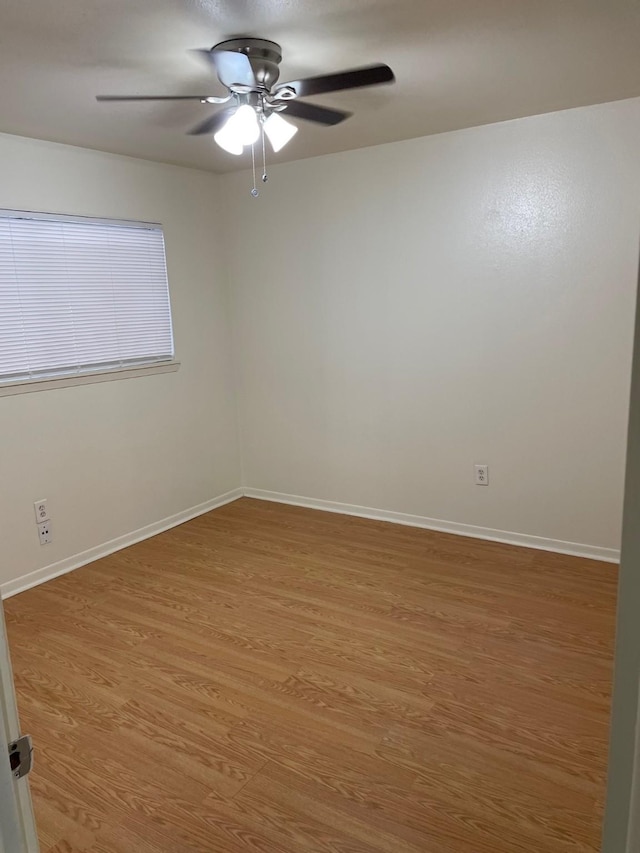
(592, 552)
(77, 560)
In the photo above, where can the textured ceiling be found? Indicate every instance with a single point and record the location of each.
(458, 63)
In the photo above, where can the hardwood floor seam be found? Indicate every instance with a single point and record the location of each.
(257, 773)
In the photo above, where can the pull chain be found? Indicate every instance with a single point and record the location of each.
(265, 177)
(254, 190)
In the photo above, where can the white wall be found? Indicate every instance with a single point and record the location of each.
(405, 311)
(402, 312)
(114, 457)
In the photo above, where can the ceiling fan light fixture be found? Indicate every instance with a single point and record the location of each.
(279, 131)
(248, 68)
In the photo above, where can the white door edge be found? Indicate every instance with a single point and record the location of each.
(17, 825)
(633, 844)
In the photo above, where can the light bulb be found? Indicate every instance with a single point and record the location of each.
(279, 131)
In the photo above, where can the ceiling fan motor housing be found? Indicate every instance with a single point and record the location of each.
(264, 56)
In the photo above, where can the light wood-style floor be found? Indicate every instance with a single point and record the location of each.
(269, 678)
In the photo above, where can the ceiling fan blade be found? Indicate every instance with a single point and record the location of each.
(231, 67)
(371, 75)
(210, 99)
(313, 112)
(213, 123)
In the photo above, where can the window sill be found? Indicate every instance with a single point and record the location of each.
(87, 378)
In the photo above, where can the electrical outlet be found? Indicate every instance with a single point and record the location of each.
(44, 532)
(482, 475)
(41, 510)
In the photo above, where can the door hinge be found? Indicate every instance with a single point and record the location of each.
(21, 756)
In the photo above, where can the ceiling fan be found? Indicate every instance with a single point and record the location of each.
(248, 68)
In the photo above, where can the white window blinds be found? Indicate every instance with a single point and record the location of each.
(80, 295)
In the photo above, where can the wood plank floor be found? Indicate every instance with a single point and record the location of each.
(270, 678)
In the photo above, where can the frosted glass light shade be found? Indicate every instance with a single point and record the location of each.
(279, 131)
(245, 124)
(228, 140)
(240, 130)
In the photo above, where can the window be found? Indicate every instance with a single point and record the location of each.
(80, 296)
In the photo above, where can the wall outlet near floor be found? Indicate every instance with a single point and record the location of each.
(44, 532)
(41, 510)
(482, 475)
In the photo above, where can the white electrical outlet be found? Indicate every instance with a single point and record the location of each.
(482, 475)
(44, 532)
(41, 510)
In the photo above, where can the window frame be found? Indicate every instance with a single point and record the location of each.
(101, 373)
